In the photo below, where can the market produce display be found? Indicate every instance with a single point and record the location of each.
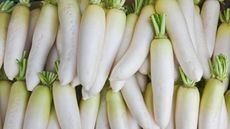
(114, 64)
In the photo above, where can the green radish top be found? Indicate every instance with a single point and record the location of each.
(118, 4)
(24, 3)
(158, 21)
(135, 7)
(225, 16)
(22, 64)
(47, 78)
(6, 6)
(196, 2)
(95, 2)
(219, 67)
(186, 81)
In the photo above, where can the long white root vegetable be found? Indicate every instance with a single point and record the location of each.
(53, 121)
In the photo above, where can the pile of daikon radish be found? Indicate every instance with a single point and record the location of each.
(101, 64)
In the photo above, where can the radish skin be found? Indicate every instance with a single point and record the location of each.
(202, 48)
(66, 106)
(145, 67)
(34, 15)
(59, 41)
(223, 116)
(148, 98)
(69, 16)
(116, 109)
(17, 104)
(43, 40)
(132, 122)
(52, 57)
(138, 49)
(227, 100)
(5, 87)
(142, 81)
(210, 17)
(38, 109)
(76, 81)
(16, 39)
(188, 10)
(90, 49)
(137, 106)
(53, 122)
(83, 5)
(180, 38)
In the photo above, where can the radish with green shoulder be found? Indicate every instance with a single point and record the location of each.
(212, 97)
(162, 71)
(53, 121)
(16, 37)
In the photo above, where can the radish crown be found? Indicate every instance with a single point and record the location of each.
(24, 3)
(158, 21)
(22, 64)
(118, 4)
(225, 16)
(53, 2)
(47, 78)
(6, 6)
(219, 67)
(187, 82)
(135, 7)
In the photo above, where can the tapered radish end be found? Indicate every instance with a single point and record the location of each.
(117, 85)
(31, 83)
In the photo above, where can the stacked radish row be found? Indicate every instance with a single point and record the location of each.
(100, 64)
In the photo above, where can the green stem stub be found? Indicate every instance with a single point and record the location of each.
(149, 2)
(6, 6)
(47, 78)
(225, 16)
(158, 21)
(219, 67)
(187, 82)
(118, 4)
(135, 7)
(22, 64)
(24, 3)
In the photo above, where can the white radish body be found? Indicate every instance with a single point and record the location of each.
(148, 98)
(59, 41)
(210, 17)
(162, 76)
(4, 22)
(116, 109)
(17, 104)
(137, 106)
(5, 87)
(34, 15)
(115, 26)
(202, 49)
(89, 111)
(89, 49)
(145, 67)
(66, 106)
(69, 16)
(187, 98)
(138, 49)
(52, 57)
(16, 39)
(188, 10)
(223, 118)
(132, 122)
(142, 81)
(180, 38)
(38, 108)
(102, 121)
(43, 40)
(127, 36)
(53, 121)
(117, 85)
